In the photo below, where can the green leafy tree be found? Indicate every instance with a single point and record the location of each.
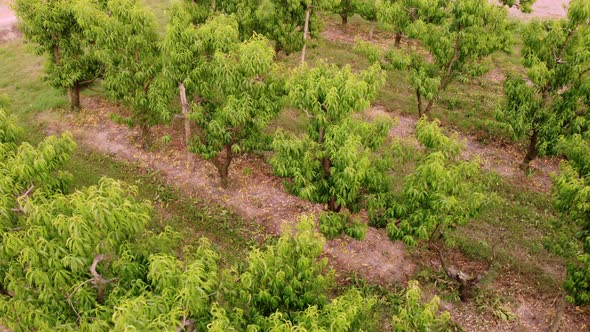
(332, 163)
(570, 196)
(186, 48)
(437, 197)
(346, 9)
(417, 316)
(288, 276)
(234, 88)
(367, 9)
(126, 35)
(284, 21)
(52, 27)
(457, 35)
(26, 169)
(333, 224)
(552, 98)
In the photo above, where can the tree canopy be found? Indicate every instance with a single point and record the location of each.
(456, 35)
(332, 163)
(126, 35)
(570, 196)
(53, 28)
(551, 99)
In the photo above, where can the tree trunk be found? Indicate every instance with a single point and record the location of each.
(187, 124)
(326, 165)
(419, 100)
(74, 96)
(371, 30)
(532, 151)
(278, 47)
(145, 134)
(429, 107)
(305, 32)
(222, 165)
(56, 57)
(559, 315)
(344, 17)
(398, 39)
(223, 170)
(332, 206)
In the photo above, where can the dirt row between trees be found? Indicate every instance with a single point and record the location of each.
(8, 22)
(256, 194)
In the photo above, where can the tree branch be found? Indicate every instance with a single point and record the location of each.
(307, 114)
(19, 208)
(69, 298)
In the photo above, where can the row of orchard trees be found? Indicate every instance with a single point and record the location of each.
(203, 58)
(118, 40)
(455, 39)
(85, 260)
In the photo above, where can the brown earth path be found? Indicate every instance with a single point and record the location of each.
(8, 22)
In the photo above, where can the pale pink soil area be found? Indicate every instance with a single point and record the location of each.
(544, 9)
(8, 30)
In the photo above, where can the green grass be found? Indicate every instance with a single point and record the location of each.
(20, 79)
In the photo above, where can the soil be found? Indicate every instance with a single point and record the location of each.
(533, 310)
(254, 193)
(8, 22)
(543, 9)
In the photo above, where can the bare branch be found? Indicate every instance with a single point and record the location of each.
(69, 297)
(186, 323)
(19, 208)
(95, 262)
(307, 114)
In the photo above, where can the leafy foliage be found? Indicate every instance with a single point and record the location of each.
(333, 162)
(52, 27)
(288, 276)
(85, 261)
(570, 196)
(552, 98)
(458, 35)
(26, 168)
(525, 6)
(416, 316)
(334, 224)
(283, 21)
(234, 88)
(438, 196)
(126, 35)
